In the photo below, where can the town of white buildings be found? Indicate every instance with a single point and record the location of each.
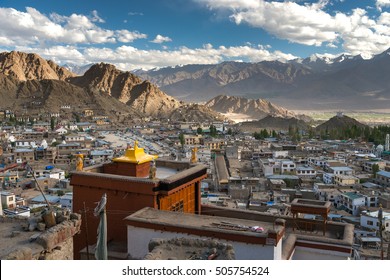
(312, 199)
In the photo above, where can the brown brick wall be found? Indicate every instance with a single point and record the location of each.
(127, 169)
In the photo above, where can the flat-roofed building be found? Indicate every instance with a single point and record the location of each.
(345, 180)
(383, 178)
(306, 172)
(351, 201)
(251, 241)
(250, 234)
(23, 155)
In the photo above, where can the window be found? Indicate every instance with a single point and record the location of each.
(370, 223)
(178, 206)
(11, 198)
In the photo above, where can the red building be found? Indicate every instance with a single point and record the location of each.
(131, 185)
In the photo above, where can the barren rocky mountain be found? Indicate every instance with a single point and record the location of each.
(140, 95)
(28, 82)
(200, 82)
(195, 113)
(29, 66)
(319, 82)
(254, 108)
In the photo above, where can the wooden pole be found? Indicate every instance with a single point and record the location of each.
(86, 230)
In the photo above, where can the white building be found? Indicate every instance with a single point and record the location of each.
(58, 174)
(306, 172)
(61, 131)
(341, 170)
(248, 245)
(328, 178)
(22, 211)
(280, 154)
(240, 233)
(8, 200)
(351, 202)
(287, 166)
(383, 178)
(66, 200)
(370, 220)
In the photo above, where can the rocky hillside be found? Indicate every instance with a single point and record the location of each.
(272, 123)
(254, 108)
(339, 123)
(195, 113)
(28, 66)
(126, 87)
(200, 82)
(28, 82)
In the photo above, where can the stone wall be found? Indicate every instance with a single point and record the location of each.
(32, 241)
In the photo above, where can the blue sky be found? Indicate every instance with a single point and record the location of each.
(156, 33)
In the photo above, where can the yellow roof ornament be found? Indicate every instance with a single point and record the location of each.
(135, 155)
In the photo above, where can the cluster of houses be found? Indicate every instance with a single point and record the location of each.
(243, 173)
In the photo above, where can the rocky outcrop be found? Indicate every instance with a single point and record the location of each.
(142, 96)
(30, 66)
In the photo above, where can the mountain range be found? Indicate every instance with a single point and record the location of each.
(30, 83)
(315, 83)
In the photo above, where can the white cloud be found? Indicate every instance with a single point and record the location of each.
(34, 28)
(161, 39)
(309, 24)
(129, 58)
(382, 3)
(126, 36)
(4, 41)
(96, 17)
(135, 14)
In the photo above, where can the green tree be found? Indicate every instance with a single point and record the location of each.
(230, 132)
(290, 131)
(181, 138)
(199, 130)
(77, 117)
(375, 169)
(52, 123)
(311, 132)
(213, 131)
(274, 134)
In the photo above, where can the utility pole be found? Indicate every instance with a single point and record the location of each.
(380, 218)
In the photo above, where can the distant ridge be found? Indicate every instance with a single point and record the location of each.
(273, 123)
(320, 82)
(254, 108)
(339, 122)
